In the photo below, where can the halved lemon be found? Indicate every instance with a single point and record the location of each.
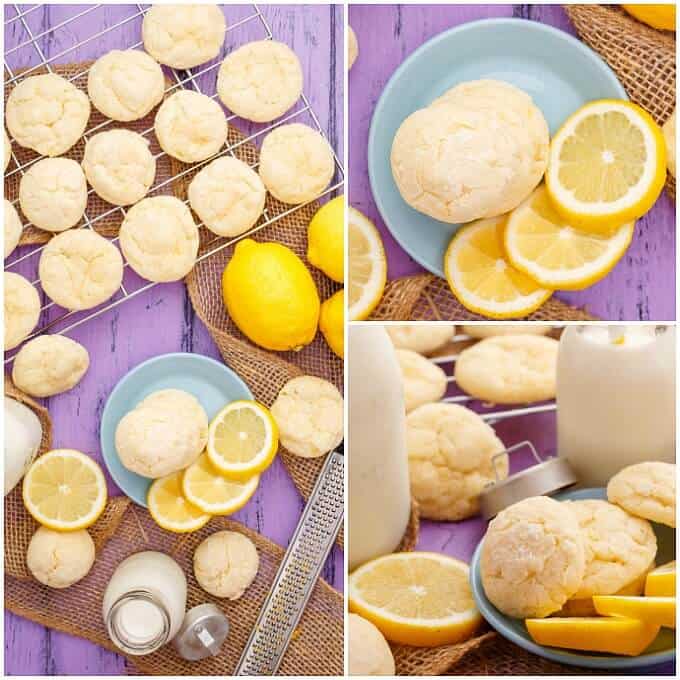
(540, 243)
(170, 509)
(661, 581)
(65, 490)
(656, 610)
(242, 439)
(481, 276)
(212, 492)
(607, 165)
(367, 266)
(416, 598)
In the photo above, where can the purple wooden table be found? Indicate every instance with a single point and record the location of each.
(162, 319)
(642, 286)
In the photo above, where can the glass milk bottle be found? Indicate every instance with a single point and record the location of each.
(379, 495)
(145, 602)
(615, 398)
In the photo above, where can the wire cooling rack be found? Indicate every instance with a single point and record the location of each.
(65, 321)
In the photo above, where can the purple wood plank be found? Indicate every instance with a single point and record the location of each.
(129, 334)
(642, 286)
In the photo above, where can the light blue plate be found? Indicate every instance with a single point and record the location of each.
(662, 650)
(559, 72)
(210, 381)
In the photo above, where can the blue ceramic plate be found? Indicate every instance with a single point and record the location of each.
(559, 72)
(662, 650)
(210, 381)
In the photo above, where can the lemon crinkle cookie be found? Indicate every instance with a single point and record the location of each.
(533, 558)
(53, 194)
(8, 150)
(423, 381)
(125, 85)
(13, 228)
(159, 238)
(228, 196)
(22, 309)
(421, 338)
(369, 653)
(119, 166)
(260, 81)
(47, 113)
(486, 330)
(183, 36)
(296, 163)
(80, 269)
(58, 559)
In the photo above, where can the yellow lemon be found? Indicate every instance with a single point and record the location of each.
(170, 509)
(326, 239)
(661, 581)
(332, 322)
(656, 16)
(656, 610)
(271, 296)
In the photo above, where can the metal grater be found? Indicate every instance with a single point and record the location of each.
(307, 551)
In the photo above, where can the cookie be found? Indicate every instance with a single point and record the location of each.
(119, 166)
(8, 150)
(53, 194)
(296, 163)
(486, 330)
(47, 113)
(368, 651)
(159, 238)
(22, 309)
(80, 269)
(424, 382)
(352, 47)
(260, 81)
(228, 196)
(421, 338)
(13, 228)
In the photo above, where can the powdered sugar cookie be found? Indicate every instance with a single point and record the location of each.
(424, 382)
(485, 330)
(421, 338)
(22, 309)
(13, 228)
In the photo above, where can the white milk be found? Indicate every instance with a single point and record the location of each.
(615, 398)
(379, 495)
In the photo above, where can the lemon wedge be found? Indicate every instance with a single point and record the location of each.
(416, 598)
(213, 493)
(607, 165)
(367, 266)
(656, 610)
(242, 439)
(170, 509)
(661, 581)
(481, 276)
(65, 490)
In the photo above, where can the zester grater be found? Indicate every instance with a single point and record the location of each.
(307, 551)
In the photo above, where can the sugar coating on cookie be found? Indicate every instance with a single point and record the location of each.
(486, 330)
(228, 196)
(296, 163)
(424, 382)
(80, 269)
(119, 166)
(421, 338)
(352, 47)
(183, 36)
(8, 150)
(159, 238)
(260, 81)
(511, 369)
(533, 558)
(309, 414)
(190, 126)
(49, 365)
(53, 194)
(450, 451)
(619, 548)
(47, 113)
(22, 309)
(13, 228)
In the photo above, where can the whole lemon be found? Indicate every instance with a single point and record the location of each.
(332, 322)
(271, 296)
(326, 239)
(656, 16)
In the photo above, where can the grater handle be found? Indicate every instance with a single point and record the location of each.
(307, 551)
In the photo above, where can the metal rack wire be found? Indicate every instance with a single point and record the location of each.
(69, 320)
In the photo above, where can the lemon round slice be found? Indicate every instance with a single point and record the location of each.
(65, 490)
(545, 247)
(481, 276)
(416, 598)
(607, 165)
(214, 493)
(170, 509)
(367, 266)
(242, 439)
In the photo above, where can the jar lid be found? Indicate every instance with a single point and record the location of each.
(543, 479)
(203, 631)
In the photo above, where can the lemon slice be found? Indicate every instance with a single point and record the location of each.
(416, 598)
(210, 491)
(655, 610)
(541, 244)
(170, 509)
(242, 439)
(367, 266)
(481, 276)
(607, 165)
(661, 581)
(65, 490)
